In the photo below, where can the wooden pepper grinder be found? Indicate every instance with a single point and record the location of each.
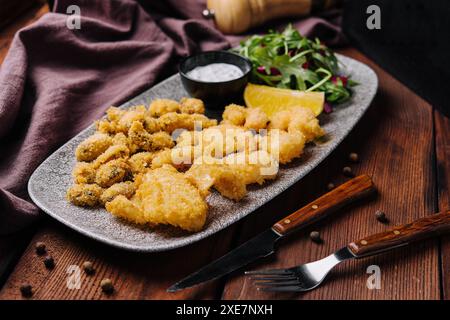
(237, 16)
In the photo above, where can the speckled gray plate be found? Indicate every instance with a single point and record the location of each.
(48, 184)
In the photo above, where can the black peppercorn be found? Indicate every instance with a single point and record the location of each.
(49, 262)
(330, 186)
(353, 157)
(315, 236)
(88, 268)
(26, 290)
(40, 248)
(107, 286)
(347, 171)
(381, 216)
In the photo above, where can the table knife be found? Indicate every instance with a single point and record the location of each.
(263, 244)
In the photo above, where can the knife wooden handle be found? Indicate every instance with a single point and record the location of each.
(402, 235)
(326, 204)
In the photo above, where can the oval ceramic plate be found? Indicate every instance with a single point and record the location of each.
(48, 184)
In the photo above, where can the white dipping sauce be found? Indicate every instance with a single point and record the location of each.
(215, 72)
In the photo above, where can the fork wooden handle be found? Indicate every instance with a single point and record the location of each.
(326, 204)
(402, 235)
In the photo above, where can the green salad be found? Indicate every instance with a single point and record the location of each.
(289, 60)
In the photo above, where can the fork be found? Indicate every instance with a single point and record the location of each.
(308, 276)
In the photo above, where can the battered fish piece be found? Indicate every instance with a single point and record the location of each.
(112, 172)
(142, 140)
(126, 189)
(282, 144)
(192, 105)
(162, 106)
(165, 196)
(92, 147)
(84, 195)
(171, 121)
(231, 175)
(227, 181)
(83, 173)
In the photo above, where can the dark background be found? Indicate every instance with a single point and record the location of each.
(413, 43)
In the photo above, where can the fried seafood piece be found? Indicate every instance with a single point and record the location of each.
(171, 121)
(224, 179)
(284, 145)
(119, 120)
(234, 114)
(256, 119)
(114, 152)
(297, 119)
(142, 140)
(141, 162)
(151, 124)
(162, 106)
(192, 105)
(84, 195)
(231, 175)
(92, 147)
(126, 189)
(180, 158)
(83, 173)
(165, 196)
(112, 172)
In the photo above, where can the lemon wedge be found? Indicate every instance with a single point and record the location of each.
(271, 99)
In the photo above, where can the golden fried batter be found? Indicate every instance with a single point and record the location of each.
(169, 122)
(162, 106)
(92, 147)
(192, 105)
(165, 196)
(297, 119)
(126, 189)
(235, 114)
(83, 172)
(255, 119)
(112, 172)
(286, 145)
(113, 152)
(143, 140)
(84, 195)
(141, 162)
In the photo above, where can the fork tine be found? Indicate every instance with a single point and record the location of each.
(273, 278)
(276, 283)
(269, 272)
(283, 289)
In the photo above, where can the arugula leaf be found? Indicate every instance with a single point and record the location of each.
(289, 60)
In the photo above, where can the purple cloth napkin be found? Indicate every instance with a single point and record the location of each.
(54, 82)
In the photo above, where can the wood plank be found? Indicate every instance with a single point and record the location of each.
(394, 141)
(7, 34)
(442, 133)
(135, 275)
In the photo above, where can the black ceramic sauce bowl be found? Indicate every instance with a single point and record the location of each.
(216, 95)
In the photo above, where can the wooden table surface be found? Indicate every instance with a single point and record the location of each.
(403, 143)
